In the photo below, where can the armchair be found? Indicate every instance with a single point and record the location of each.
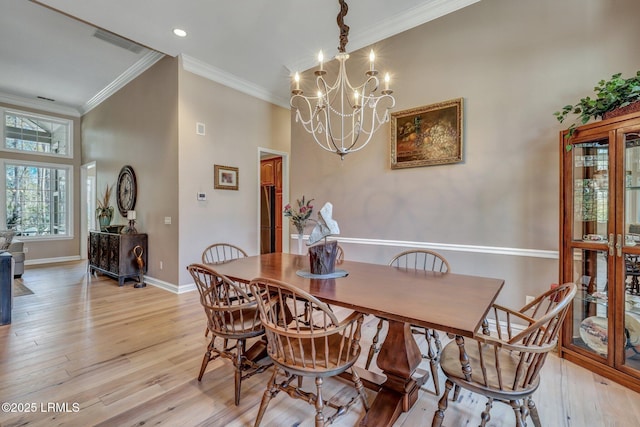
(320, 348)
(16, 248)
(505, 366)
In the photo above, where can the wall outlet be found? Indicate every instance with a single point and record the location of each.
(528, 299)
(167, 220)
(25, 249)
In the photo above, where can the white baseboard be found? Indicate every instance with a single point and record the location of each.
(52, 260)
(169, 286)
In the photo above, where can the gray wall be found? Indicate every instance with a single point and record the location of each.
(236, 125)
(138, 126)
(514, 62)
(150, 124)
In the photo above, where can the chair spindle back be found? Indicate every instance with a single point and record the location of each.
(318, 344)
(421, 259)
(219, 253)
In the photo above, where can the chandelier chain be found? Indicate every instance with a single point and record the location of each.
(344, 28)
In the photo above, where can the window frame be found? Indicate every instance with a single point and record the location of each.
(69, 197)
(68, 123)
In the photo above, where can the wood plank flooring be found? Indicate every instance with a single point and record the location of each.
(82, 351)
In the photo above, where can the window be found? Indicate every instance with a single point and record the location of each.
(38, 198)
(35, 134)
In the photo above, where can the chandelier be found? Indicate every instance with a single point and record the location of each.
(341, 117)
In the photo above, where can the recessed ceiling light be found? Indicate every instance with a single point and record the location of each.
(180, 33)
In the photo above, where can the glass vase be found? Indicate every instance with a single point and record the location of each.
(300, 240)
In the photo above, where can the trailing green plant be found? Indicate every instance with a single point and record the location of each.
(610, 94)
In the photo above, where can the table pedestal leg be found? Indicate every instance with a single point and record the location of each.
(398, 358)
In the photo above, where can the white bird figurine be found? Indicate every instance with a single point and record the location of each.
(325, 226)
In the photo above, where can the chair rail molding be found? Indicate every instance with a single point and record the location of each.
(495, 250)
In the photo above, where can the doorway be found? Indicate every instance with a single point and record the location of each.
(272, 229)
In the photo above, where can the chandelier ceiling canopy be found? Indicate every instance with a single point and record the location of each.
(342, 117)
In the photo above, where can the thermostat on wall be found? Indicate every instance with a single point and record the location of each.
(202, 196)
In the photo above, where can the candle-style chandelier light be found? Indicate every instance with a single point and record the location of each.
(342, 118)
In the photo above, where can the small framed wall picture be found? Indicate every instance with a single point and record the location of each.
(225, 177)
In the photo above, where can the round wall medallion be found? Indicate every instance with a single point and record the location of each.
(127, 190)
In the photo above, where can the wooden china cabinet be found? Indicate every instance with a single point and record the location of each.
(600, 247)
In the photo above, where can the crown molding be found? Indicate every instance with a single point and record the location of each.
(131, 73)
(407, 20)
(217, 75)
(392, 25)
(36, 104)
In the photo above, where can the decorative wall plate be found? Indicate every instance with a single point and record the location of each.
(595, 334)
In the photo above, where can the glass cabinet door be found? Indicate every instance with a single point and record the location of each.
(590, 307)
(591, 191)
(593, 243)
(631, 285)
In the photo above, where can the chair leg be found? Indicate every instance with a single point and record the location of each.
(374, 344)
(533, 411)
(207, 357)
(456, 393)
(486, 414)
(517, 410)
(432, 355)
(238, 371)
(436, 338)
(438, 416)
(319, 403)
(360, 389)
(271, 391)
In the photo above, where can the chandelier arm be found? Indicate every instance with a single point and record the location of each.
(308, 125)
(372, 79)
(330, 139)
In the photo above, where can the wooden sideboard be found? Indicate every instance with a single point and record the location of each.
(112, 254)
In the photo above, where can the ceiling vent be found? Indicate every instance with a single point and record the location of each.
(117, 41)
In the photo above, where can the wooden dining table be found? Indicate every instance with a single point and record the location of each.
(452, 303)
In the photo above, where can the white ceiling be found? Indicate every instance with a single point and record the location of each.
(251, 45)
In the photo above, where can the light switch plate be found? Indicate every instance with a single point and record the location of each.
(202, 196)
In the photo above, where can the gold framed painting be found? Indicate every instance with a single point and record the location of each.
(225, 177)
(427, 136)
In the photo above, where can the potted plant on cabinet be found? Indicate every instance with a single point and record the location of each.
(104, 211)
(615, 97)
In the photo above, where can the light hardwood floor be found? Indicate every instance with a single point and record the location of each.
(119, 356)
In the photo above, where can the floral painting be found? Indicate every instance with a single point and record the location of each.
(425, 136)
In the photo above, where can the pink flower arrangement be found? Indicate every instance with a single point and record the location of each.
(300, 216)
